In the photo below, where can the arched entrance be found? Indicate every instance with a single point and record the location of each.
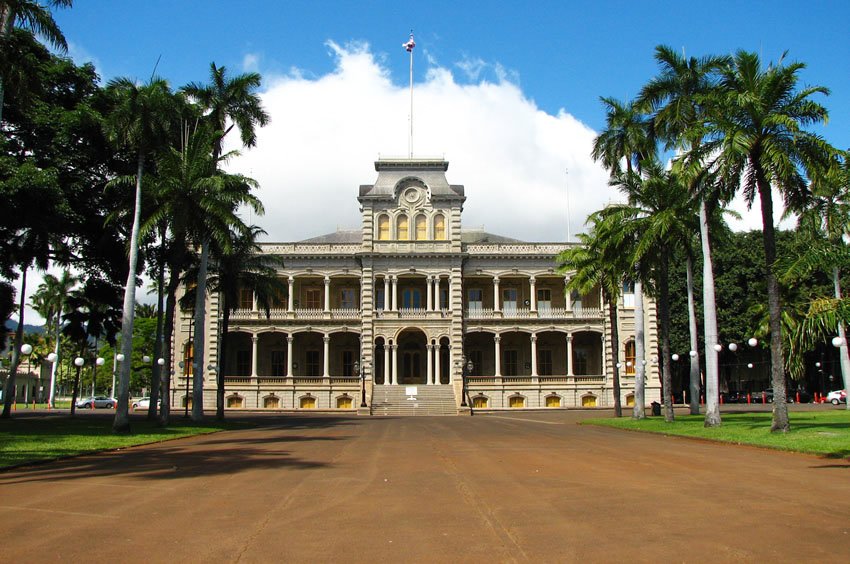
(412, 357)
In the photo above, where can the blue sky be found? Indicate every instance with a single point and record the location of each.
(561, 54)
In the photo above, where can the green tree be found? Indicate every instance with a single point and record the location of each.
(141, 121)
(50, 301)
(759, 142)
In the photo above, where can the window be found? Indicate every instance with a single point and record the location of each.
(347, 298)
(383, 228)
(235, 401)
(246, 298)
(509, 296)
(575, 300)
(278, 363)
(403, 231)
(439, 227)
(544, 299)
(553, 401)
(544, 362)
(476, 298)
(307, 402)
(580, 361)
(444, 298)
(477, 358)
(630, 358)
(313, 363)
(421, 228)
(344, 402)
(348, 364)
(411, 298)
(278, 299)
(588, 401)
(243, 363)
(379, 298)
(313, 298)
(510, 363)
(479, 402)
(630, 400)
(271, 402)
(188, 358)
(628, 294)
(516, 401)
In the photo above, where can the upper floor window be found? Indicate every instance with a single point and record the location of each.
(246, 298)
(347, 298)
(421, 231)
(476, 298)
(439, 227)
(403, 231)
(383, 228)
(411, 298)
(313, 298)
(628, 294)
(630, 357)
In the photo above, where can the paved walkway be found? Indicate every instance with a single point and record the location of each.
(497, 488)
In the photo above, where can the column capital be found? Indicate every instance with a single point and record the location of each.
(326, 339)
(495, 280)
(327, 280)
(255, 338)
(290, 278)
(497, 338)
(533, 338)
(290, 339)
(532, 280)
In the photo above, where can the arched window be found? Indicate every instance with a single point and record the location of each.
(403, 230)
(553, 401)
(188, 358)
(588, 401)
(271, 402)
(235, 401)
(630, 358)
(307, 402)
(383, 228)
(479, 402)
(516, 401)
(421, 228)
(439, 227)
(344, 402)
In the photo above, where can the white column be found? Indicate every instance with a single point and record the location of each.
(253, 301)
(327, 294)
(289, 362)
(604, 368)
(395, 365)
(387, 302)
(496, 300)
(498, 353)
(532, 282)
(569, 355)
(255, 340)
(429, 294)
(291, 302)
(395, 293)
(437, 375)
(429, 369)
(534, 355)
(386, 363)
(568, 294)
(327, 341)
(449, 303)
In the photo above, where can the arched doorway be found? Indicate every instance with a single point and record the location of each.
(411, 357)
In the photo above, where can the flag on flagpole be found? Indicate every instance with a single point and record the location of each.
(409, 45)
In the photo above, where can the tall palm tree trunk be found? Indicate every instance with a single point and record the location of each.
(664, 310)
(777, 366)
(9, 389)
(639, 411)
(843, 355)
(709, 312)
(165, 375)
(51, 401)
(200, 333)
(158, 345)
(615, 351)
(121, 423)
(694, 383)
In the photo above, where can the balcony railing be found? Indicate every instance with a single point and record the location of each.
(526, 313)
(278, 314)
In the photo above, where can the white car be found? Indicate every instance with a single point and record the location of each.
(142, 403)
(836, 397)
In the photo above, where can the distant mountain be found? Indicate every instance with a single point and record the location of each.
(12, 326)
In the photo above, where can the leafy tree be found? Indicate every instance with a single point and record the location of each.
(50, 301)
(759, 143)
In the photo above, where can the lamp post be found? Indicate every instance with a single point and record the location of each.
(118, 358)
(98, 362)
(26, 350)
(78, 362)
(468, 365)
(51, 358)
(362, 374)
(839, 343)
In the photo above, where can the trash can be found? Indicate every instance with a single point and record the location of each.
(656, 408)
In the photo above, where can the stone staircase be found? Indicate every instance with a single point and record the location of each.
(429, 400)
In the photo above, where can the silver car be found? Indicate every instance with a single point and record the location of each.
(97, 401)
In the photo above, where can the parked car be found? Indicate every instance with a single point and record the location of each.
(790, 396)
(734, 397)
(144, 403)
(98, 401)
(836, 397)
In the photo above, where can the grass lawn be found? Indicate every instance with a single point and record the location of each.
(826, 433)
(32, 439)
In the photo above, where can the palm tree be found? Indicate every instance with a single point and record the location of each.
(759, 143)
(35, 17)
(598, 263)
(52, 299)
(678, 97)
(243, 268)
(826, 219)
(227, 103)
(140, 122)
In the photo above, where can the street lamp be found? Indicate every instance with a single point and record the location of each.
(362, 376)
(26, 350)
(674, 357)
(98, 362)
(78, 362)
(118, 358)
(752, 341)
(51, 358)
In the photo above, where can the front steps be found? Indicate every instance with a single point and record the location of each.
(429, 400)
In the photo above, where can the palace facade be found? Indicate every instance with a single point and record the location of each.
(410, 308)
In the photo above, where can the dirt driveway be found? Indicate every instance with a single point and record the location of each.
(501, 488)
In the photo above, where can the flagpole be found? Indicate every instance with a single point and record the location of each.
(409, 48)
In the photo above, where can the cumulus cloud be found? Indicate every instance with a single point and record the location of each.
(326, 132)
(251, 62)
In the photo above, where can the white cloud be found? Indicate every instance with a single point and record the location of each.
(327, 131)
(251, 62)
